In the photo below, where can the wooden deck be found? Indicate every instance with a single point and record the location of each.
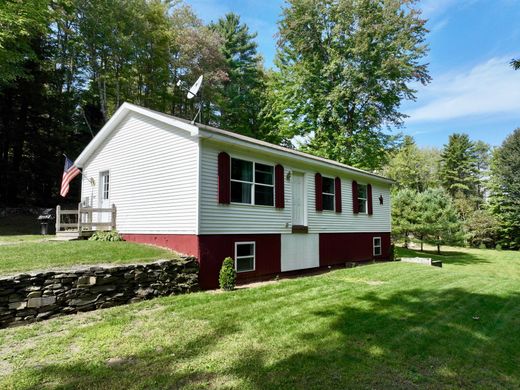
(83, 222)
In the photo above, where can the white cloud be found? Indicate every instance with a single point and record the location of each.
(489, 88)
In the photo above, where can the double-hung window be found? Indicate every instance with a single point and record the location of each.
(252, 182)
(244, 256)
(377, 246)
(362, 198)
(327, 189)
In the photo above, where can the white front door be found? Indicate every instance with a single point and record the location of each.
(104, 196)
(298, 199)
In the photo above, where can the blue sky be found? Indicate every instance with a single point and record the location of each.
(474, 90)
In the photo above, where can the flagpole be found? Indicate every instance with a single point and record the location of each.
(90, 180)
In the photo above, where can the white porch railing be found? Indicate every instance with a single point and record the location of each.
(82, 219)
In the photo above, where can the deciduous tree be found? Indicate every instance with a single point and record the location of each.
(345, 67)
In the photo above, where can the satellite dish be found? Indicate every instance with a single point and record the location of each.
(195, 88)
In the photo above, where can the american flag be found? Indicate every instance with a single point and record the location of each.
(69, 172)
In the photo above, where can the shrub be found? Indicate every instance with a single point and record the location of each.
(106, 236)
(227, 277)
(392, 252)
(498, 247)
(482, 246)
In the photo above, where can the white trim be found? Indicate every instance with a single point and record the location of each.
(374, 246)
(101, 186)
(245, 257)
(223, 136)
(118, 116)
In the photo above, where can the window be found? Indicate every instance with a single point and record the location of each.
(327, 189)
(105, 182)
(252, 183)
(362, 198)
(377, 246)
(244, 256)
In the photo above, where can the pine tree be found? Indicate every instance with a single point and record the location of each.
(438, 220)
(505, 190)
(404, 214)
(459, 169)
(240, 102)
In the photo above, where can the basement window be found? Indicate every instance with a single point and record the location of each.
(377, 246)
(244, 256)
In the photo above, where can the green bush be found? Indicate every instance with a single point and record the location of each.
(498, 247)
(227, 277)
(482, 246)
(106, 236)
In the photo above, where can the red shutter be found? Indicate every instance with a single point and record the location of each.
(279, 187)
(355, 200)
(337, 191)
(369, 199)
(224, 180)
(319, 193)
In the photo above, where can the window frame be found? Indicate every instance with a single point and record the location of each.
(323, 193)
(374, 246)
(236, 257)
(253, 183)
(362, 200)
(104, 189)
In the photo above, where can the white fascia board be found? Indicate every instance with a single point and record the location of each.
(118, 117)
(290, 154)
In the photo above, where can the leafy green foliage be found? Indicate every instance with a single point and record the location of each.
(345, 67)
(482, 228)
(413, 167)
(106, 236)
(505, 194)
(227, 276)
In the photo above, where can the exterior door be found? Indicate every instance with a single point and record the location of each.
(300, 251)
(104, 196)
(298, 199)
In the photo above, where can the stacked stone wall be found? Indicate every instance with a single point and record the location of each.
(38, 296)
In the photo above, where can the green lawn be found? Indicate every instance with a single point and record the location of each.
(28, 256)
(384, 326)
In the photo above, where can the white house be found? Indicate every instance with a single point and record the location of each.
(212, 194)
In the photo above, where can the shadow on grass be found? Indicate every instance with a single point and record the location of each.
(415, 338)
(446, 256)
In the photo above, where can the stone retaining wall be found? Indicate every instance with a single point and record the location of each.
(34, 297)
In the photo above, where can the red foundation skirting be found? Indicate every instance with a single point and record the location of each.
(335, 250)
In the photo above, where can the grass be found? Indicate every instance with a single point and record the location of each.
(20, 228)
(29, 256)
(391, 325)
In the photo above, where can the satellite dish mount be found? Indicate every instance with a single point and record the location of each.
(192, 93)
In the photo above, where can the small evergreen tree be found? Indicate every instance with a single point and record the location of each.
(438, 219)
(228, 275)
(404, 214)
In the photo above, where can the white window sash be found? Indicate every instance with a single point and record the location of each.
(253, 255)
(253, 183)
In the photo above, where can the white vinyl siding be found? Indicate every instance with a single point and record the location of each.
(237, 218)
(153, 176)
